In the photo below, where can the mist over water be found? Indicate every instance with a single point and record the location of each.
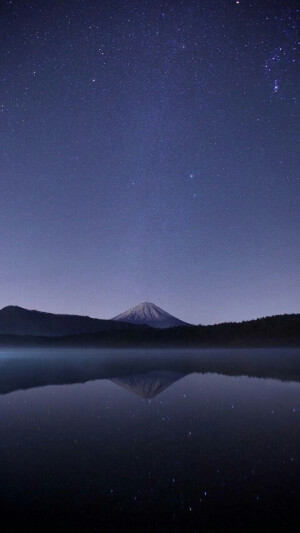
(150, 440)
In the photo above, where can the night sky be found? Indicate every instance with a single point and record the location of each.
(148, 152)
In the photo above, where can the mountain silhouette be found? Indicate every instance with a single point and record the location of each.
(16, 320)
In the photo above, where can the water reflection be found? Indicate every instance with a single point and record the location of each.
(149, 442)
(148, 385)
(23, 370)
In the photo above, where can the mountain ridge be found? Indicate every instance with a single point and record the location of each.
(23, 327)
(275, 331)
(16, 320)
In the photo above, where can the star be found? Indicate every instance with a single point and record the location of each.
(276, 86)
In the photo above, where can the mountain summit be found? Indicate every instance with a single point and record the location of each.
(151, 315)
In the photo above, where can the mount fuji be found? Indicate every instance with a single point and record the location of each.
(150, 314)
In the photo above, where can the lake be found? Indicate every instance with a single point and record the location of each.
(150, 440)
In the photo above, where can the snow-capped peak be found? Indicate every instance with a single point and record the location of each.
(151, 315)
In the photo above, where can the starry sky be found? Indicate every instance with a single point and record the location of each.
(149, 151)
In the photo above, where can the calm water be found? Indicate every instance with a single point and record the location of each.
(148, 441)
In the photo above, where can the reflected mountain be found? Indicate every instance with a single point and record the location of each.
(149, 385)
(146, 373)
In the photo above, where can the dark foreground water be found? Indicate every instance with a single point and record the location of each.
(150, 441)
